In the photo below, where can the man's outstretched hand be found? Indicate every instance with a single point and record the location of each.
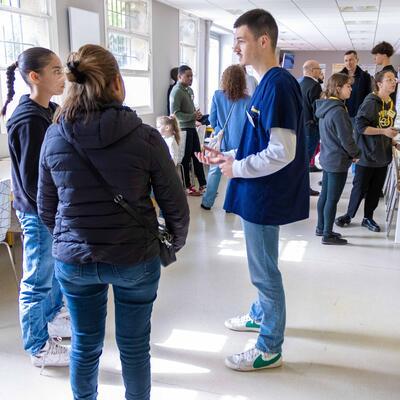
(210, 156)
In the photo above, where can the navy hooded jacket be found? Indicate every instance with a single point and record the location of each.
(87, 225)
(26, 130)
(361, 87)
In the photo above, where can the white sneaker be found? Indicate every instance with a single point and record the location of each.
(53, 354)
(61, 325)
(242, 323)
(253, 360)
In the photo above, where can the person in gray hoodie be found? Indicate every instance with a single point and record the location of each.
(338, 150)
(374, 135)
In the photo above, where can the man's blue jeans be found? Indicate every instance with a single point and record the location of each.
(262, 244)
(40, 297)
(86, 290)
(213, 179)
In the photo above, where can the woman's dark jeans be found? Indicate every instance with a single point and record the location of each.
(332, 188)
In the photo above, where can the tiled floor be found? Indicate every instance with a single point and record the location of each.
(343, 320)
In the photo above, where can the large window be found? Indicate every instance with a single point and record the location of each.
(189, 37)
(214, 72)
(23, 24)
(128, 25)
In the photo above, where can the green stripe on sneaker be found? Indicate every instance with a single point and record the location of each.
(260, 363)
(252, 324)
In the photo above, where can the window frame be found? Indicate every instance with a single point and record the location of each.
(148, 109)
(217, 37)
(195, 68)
(51, 19)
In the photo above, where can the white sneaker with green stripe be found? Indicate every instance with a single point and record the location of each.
(242, 323)
(253, 360)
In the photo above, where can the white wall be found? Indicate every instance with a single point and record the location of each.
(329, 58)
(62, 21)
(165, 44)
(165, 55)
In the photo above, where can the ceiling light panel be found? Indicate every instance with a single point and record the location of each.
(358, 3)
(364, 9)
(353, 16)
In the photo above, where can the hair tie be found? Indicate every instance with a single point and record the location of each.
(80, 77)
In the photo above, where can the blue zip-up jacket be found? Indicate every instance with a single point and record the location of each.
(219, 112)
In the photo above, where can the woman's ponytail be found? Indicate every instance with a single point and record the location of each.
(10, 73)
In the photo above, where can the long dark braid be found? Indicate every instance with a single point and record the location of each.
(32, 59)
(10, 86)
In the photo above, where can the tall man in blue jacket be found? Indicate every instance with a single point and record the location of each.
(269, 185)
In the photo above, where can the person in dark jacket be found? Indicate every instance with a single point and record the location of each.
(42, 315)
(375, 133)
(338, 150)
(311, 91)
(96, 243)
(382, 53)
(361, 86)
(174, 76)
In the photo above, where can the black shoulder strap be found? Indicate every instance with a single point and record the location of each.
(118, 198)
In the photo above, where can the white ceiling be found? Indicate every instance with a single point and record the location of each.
(312, 24)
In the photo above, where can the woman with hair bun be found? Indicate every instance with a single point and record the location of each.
(96, 242)
(42, 315)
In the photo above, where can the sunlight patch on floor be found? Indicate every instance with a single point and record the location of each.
(194, 341)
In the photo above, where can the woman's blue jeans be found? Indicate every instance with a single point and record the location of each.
(213, 179)
(332, 188)
(40, 296)
(86, 290)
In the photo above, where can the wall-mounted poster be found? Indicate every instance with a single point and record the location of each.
(337, 67)
(84, 27)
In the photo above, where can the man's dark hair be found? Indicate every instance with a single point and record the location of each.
(259, 22)
(183, 68)
(383, 48)
(351, 52)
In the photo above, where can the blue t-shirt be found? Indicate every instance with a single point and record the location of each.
(282, 197)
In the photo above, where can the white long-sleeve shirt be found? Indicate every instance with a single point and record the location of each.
(280, 152)
(173, 148)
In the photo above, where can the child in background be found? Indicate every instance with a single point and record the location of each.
(170, 132)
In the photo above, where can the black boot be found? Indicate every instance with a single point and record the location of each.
(343, 220)
(333, 240)
(320, 232)
(371, 224)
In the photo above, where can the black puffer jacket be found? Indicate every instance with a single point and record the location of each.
(87, 225)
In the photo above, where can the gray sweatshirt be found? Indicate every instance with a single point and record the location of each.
(337, 144)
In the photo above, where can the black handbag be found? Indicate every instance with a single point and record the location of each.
(165, 238)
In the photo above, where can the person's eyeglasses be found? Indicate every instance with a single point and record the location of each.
(391, 80)
(316, 68)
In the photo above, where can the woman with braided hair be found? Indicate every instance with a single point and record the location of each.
(42, 315)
